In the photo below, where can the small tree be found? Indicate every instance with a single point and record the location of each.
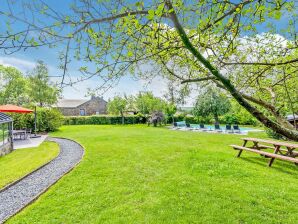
(170, 110)
(41, 90)
(211, 102)
(117, 106)
(13, 86)
(147, 103)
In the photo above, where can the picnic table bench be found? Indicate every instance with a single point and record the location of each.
(282, 150)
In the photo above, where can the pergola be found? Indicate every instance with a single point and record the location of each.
(6, 124)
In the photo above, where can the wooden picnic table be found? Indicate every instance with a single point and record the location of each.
(282, 150)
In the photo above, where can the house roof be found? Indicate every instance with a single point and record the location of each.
(291, 117)
(5, 118)
(70, 103)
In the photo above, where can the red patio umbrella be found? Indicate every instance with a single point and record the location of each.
(14, 109)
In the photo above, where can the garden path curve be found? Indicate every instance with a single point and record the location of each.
(17, 196)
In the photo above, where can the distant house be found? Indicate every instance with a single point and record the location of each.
(79, 107)
(293, 119)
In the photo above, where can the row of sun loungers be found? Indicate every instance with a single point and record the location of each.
(201, 127)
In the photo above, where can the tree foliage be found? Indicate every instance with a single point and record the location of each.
(146, 103)
(117, 106)
(41, 90)
(13, 86)
(16, 88)
(213, 103)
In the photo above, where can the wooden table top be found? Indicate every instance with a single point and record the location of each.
(18, 131)
(286, 144)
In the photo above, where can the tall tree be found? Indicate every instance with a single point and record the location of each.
(193, 41)
(211, 102)
(147, 103)
(13, 86)
(41, 90)
(117, 106)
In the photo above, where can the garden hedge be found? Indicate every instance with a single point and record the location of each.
(103, 119)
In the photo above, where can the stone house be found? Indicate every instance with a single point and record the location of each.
(77, 107)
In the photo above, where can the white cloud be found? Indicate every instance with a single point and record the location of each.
(21, 64)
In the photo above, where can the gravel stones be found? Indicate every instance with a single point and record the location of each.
(17, 196)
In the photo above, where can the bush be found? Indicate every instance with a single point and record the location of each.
(193, 120)
(273, 134)
(103, 119)
(47, 120)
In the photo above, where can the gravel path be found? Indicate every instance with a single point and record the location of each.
(17, 196)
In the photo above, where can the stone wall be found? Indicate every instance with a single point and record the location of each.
(92, 107)
(5, 149)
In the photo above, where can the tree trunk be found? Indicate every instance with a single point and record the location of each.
(216, 119)
(290, 134)
(122, 116)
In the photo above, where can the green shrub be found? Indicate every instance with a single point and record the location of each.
(273, 134)
(103, 119)
(47, 120)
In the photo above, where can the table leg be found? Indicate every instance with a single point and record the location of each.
(276, 150)
(240, 151)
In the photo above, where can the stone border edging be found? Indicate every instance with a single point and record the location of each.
(48, 187)
(28, 174)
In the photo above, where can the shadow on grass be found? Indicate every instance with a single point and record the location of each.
(281, 166)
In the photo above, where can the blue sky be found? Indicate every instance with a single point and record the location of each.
(25, 61)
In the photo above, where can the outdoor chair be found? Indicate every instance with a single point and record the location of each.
(180, 124)
(202, 127)
(236, 128)
(229, 128)
(28, 132)
(217, 128)
(189, 127)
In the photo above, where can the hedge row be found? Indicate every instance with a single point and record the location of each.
(80, 120)
(47, 120)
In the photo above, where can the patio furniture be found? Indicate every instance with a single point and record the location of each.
(28, 132)
(217, 128)
(281, 150)
(203, 128)
(236, 128)
(19, 134)
(229, 129)
(181, 124)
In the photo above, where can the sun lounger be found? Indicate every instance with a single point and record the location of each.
(179, 125)
(236, 129)
(229, 128)
(203, 128)
(217, 128)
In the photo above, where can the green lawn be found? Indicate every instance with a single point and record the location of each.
(22, 161)
(138, 174)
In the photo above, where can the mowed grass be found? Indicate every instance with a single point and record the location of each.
(138, 174)
(22, 161)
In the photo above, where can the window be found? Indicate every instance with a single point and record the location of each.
(82, 112)
(4, 134)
